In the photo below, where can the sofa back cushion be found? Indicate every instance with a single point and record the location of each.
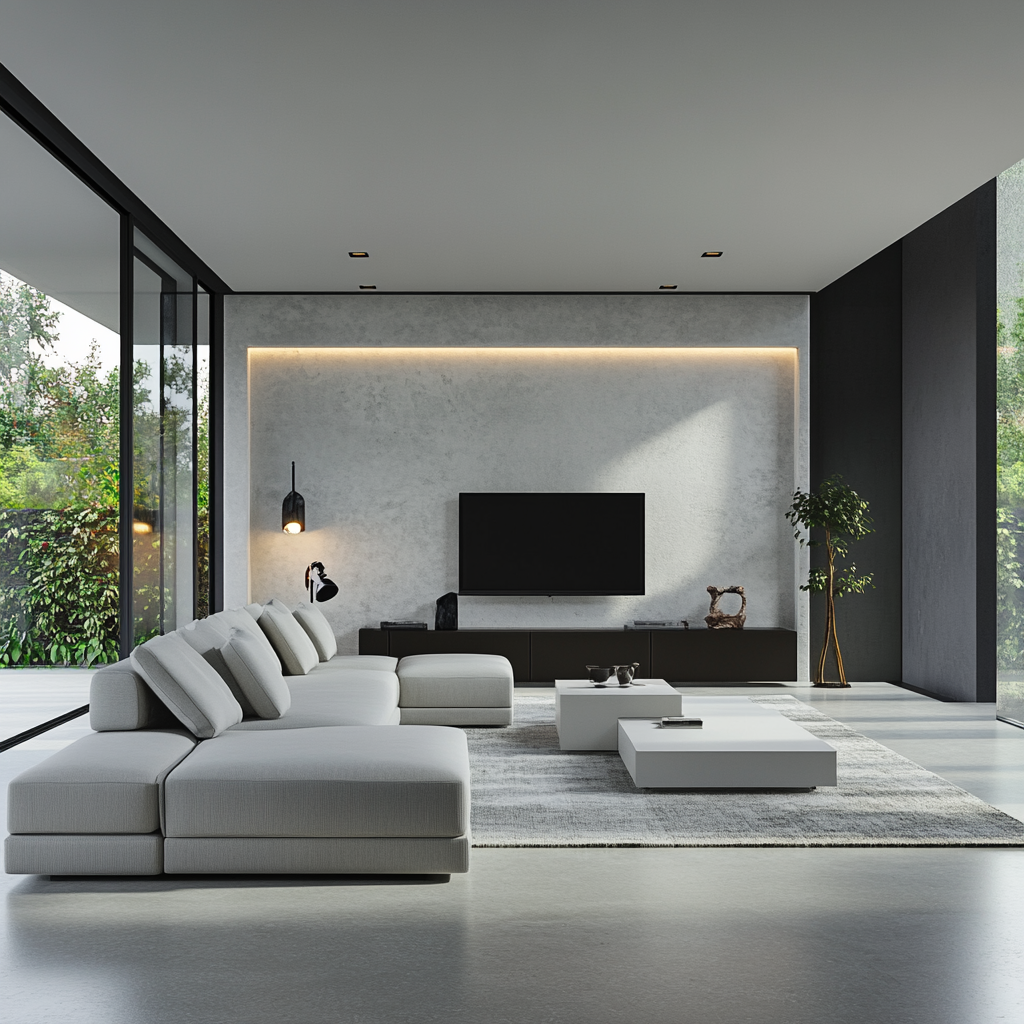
(294, 648)
(318, 629)
(185, 682)
(120, 700)
(207, 637)
(258, 676)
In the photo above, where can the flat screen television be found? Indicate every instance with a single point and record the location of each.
(547, 544)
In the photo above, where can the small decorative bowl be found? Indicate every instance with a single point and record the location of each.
(598, 674)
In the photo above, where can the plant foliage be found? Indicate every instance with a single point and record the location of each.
(60, 606)
(840, 512)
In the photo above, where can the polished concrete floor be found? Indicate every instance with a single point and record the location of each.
(727, 935)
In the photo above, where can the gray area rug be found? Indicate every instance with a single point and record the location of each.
(526, 792)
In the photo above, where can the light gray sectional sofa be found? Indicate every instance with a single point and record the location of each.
(244, 743)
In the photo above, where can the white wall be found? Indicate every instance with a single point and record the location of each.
(601, 393)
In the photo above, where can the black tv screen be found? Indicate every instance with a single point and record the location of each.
(546, 544)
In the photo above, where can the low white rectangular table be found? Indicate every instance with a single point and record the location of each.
(587, 717)
(742, 745)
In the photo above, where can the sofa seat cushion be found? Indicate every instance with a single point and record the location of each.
(104, 783)
(360, 698)
(380, 662)
(455, 680)
(375, 678)
(354, 781)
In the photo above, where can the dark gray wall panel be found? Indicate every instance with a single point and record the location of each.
(949, 451)
(856, 430)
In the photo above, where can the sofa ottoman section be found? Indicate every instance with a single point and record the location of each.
(95, 806)
(334, 799)
(456, 689)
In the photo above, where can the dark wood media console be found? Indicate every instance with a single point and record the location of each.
(540, 656)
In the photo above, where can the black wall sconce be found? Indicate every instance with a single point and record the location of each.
(293, 511)
(319, 586)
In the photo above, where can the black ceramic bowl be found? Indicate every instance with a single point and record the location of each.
(599, 674)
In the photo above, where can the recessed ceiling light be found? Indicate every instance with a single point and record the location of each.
(359, 255)
(667, 287)
(713, 255)
(368, 287)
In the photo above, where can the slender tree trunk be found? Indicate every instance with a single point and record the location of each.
(831, 637)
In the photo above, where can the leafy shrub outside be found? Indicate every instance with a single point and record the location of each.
(60, 606)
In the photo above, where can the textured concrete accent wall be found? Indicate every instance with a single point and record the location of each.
(385, 440)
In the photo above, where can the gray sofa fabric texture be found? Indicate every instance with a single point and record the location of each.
(456, 716)
(308, 856)
(119, 699)
(333, 784)
(207, 637)
(374, 662)
(318, 629)
(320, 702)
(371, 781)
(289, 639)
(187, 684)
(240, 618)
(103, 783)
(456, 680)
(259, 678)
(84, 854)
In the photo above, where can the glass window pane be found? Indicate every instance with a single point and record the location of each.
(1010, 443)
(164, 504)
(204, 312)
(59, 431)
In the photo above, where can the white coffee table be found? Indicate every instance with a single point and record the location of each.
(742, 745)
(587, 717)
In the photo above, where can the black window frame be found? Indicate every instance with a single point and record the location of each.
(34, 118)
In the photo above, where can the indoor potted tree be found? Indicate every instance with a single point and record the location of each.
(840, 511)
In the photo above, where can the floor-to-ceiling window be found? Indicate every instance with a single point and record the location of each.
(171, 332)
(1010, 444)
(59, 431)
(105, 402)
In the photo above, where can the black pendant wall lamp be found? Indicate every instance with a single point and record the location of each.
(293, 511)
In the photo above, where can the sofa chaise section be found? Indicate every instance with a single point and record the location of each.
(339, 799)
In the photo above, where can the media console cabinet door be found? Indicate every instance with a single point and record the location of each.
(566, 653)
(724, 655)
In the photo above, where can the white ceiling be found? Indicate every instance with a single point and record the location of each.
(533, 145)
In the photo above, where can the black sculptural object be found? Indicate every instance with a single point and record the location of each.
(447, 614)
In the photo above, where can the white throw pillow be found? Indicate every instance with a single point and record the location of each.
(294, 648)
(258, 677)
(184, 681)
(239, 618)
(207, 637)
(318, 629)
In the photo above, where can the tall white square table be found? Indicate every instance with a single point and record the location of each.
(587, 717)
(742, 745)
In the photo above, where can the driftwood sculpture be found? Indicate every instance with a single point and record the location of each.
(717, 619)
